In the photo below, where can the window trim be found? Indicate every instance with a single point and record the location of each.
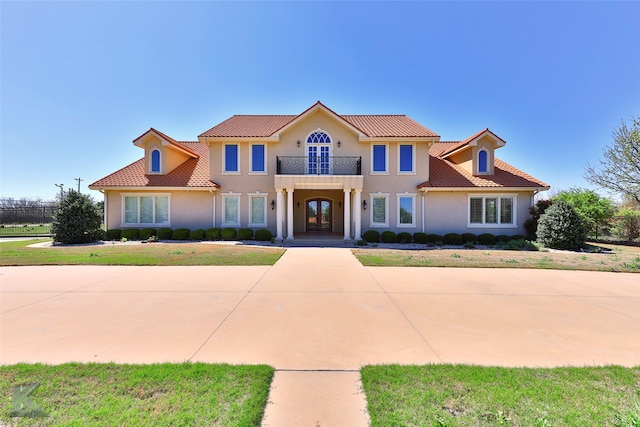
(264, 160)
(226, 196)
(413, 160)
(413, 209)
(498, 197)
(257, 195)
(487, 169)
(159, 171)
(386, 160)
(384, 196)
(224, 160)
(124, 196)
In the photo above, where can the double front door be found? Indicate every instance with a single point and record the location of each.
(319, 215)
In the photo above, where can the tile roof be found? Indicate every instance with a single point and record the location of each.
(170, 140)
(389, 126)
(248, 126)
(192, 173)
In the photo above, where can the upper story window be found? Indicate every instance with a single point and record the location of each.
(258, 163)
(379, 158)
(155, 161)
(483, 161)
(231, 159)
(406, 159)
(318, 153)
(319, 137)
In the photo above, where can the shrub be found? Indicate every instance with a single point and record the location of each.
(113, 234)
(165, 233)
(561, 228)
(433, 238)
(228, 234)
(487, 239)
(403, 237)
(531, 224)
(469, 237)
(181, 234)
(502, 238)
(453, 239)
(420, 238)
(196, 234)
(76, 220)
(212, 234)
(519, 237)
(145, 233)
(245, 234)
(371, 236)
(130, 233)
(627, 224)
(519, 245)
(388, 236)
(263, 235)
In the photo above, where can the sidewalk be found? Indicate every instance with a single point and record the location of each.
(317, 316)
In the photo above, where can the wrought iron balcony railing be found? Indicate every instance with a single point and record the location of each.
(318, 165)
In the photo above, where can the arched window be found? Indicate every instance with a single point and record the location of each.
(155, 161)
(318, 153)
(319, 137)
(483, 161)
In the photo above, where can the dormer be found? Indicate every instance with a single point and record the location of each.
(162, 153)
(476, 153)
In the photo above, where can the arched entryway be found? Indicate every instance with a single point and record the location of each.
(319, 215)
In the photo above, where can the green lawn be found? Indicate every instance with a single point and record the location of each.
(139, 395)
(17, 253)
(448, 395)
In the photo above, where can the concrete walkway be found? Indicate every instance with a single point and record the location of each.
(317, 316)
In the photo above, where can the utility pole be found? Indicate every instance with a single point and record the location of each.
(78, 179)
(61, 187)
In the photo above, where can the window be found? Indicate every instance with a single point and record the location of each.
(231, 159)
(155, 161)
(406, 210)
(318, 153)
(492, 211)
(483, 161)
(258, 210)
(378, 158)
(379, 211)
(258, 164)
(405, 159)
(147, 209)
(231, 209)
(319, 137)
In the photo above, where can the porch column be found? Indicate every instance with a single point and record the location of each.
(279, 209)
(357, 213)
(347, 214)
(289, 213)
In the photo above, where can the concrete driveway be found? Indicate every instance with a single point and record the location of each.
(318, 310)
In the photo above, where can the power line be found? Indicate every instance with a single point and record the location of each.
(78, 179)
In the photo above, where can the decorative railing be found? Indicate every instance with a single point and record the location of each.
(320, 165)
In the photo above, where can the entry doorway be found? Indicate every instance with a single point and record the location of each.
(319, 215)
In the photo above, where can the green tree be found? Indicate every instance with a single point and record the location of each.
(561, 227)
(595, 211)
(619, 169)
(77, 219)
(627, 224)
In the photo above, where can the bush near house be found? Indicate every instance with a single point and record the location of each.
(388, 236)
(181, 234)
(469, 237)
(531, 224)
(433, 238)
(130, 233)
(165, 233)
(196, 234)
(245, 234)
(263, 235)
(502, 238)
(421, 238)
(561, 228)
(371, 236)
(487, 239)
(228, 234)
(76, 220)
(113, 234)
(403, 237)
(453, 239)
(145, 233)
(212, 233)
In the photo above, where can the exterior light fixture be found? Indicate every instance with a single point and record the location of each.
(273, 204)
(364, 205)
(298, 205)
(339, 204)
(298, 143)
(338, 143)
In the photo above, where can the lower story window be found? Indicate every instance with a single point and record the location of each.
(146, 210)
(379, 211)
(231, 209)
(258, 212)
(406, 210)
(491, 211)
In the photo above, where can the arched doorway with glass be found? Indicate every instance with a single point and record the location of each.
(319, 215)
(318, 153)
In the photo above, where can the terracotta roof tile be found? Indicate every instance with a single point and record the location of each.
(248, 126)
(389, 126)
(192, 173)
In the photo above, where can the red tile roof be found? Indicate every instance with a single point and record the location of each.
(192, 173)
(170, 140)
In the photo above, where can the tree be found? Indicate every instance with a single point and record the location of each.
(595, 211)
(536, 211)
(619, 170)
(77, 220)
(561, 227)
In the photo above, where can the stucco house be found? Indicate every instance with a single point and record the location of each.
(317, 172)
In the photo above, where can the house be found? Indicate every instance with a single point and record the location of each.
(320, 171)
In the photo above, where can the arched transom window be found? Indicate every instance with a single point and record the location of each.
(318, 153)
(319, 137)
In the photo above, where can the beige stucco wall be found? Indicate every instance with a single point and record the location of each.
(169, 158)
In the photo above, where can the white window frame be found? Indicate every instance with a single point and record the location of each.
(124, 224)
(251, 171)
(224, 160)
(384, 224)
(488, 171)
(257, 195)
(386, 160)
(413, 209)
(151, 171)
(484, 224)
(225, 197)
(413, 160)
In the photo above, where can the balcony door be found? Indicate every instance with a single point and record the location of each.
(318, 153)
(319, 214)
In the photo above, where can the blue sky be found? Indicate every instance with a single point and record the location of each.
(80, 80)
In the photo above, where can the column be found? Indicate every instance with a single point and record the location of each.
(357, 212)
(279, 209)
(347, 214)
(289, 213)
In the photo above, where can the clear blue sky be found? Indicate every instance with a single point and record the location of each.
(81, 80)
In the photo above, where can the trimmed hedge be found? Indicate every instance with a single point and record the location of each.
(130, 233)
(196, 234)
(245, 234)
(420, 238)
(469, 237)
(453, 239)
(371, 236)
(503, 238)
(228, 234)
(433, 238)
(165, 233)
(263, 235)
(145, 233)
(487, 239)
(404, 237)
(212, 233)
(181, 234)
(113, 234)
(388, 236)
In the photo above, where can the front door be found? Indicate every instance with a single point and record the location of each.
(319, 215)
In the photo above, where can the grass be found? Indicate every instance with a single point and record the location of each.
(613, 258)
(139, 395)
(17, 253)
(456, 395)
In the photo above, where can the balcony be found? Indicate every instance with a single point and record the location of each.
(320, 165)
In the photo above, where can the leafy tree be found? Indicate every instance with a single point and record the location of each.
(561, 227)
(531, 224)
(627, 224)
(594, 210)
(619, 170)
(77, 219)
